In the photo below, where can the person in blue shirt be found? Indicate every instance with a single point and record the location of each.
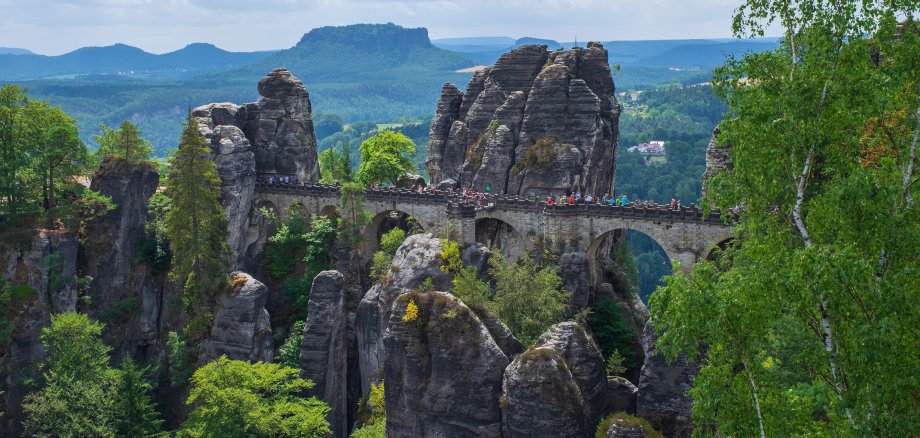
(623, 200)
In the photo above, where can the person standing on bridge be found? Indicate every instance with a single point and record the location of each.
(549, 200)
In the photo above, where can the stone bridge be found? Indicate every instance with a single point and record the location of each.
(515, 224)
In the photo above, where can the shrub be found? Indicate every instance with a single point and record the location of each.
(120, 310)
(647, 428)
(392, 240)
(450, 256)
(289, 353)
(411, 312)
(540, 156)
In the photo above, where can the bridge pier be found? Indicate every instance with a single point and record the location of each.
(461, 221)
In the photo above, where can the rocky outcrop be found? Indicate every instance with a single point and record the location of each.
(443, 370)
(415, 261)
(127, 293)
(272, 136)
(242, 326)
(621, 395)
(718, 159)
(46, 265)
(575, 273)
(540, 397)
(323, 351)
(585, 362)
(663, 397)
(624, 429)
(536, 122)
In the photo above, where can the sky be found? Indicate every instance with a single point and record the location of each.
(53, 27)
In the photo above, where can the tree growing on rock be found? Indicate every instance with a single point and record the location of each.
(124, 143)
(196, 227)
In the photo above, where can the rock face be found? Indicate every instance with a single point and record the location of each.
(443, 370)
(718, 159)
(585, 362)
(663, 387)
(46, 264)
(541, 398)
(575, 272)
(415, 261)
(621, 395)
(272, 136)
(242, 326)
(536, 122)
(111, 257)
(624, 429)
(323, 352)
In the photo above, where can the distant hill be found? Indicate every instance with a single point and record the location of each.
(551, 44)
(704, 55)
(486, 41)
(15, 51)
(121, 59)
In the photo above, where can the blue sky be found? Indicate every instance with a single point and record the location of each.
(58, 26)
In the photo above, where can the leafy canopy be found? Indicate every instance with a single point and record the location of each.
(385, 157)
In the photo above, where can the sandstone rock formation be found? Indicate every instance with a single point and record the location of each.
(415, 261)
(110, 257)
(585, 362)
(718, 159)
(621, 395)
(535, 122)
(46, 264)
(272, 136)
(323, 351)
(443, 370)
(624, 429)
(663, 387)
(575, 272)
(242, 326)
(541, 398)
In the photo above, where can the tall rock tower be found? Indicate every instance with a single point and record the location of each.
(536, 122)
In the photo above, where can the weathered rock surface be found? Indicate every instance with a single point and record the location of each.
(575, 272)
(624, 429)
(561, 101)
(621, 395)
(46, 264)
(323, 351)
(272, 136)
(111, 257)
(585, 362)
(415, 261)
(663, 387)
(718, 159)
(443, 370)
(541, 397)
(242, 326)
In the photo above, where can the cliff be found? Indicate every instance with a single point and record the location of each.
(536, 122)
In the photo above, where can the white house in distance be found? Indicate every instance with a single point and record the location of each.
(653, 148)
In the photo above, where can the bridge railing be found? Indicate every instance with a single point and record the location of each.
(503, 202)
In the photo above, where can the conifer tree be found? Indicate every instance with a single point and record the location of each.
(134, 414)
(125, 142)
(196, 227)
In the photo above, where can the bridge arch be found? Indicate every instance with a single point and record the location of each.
(498, 234)
(650, 257)
(718, 244)
(381, 223)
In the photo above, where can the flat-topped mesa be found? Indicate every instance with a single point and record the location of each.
(534, 123)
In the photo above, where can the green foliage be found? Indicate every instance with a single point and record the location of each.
(238, 398)
(153, 247)
(12, 297)
(181, 358)
(134, 414)
(296, 242)
(527, 297)
(392, 240)
(385, 157)
(335, 166)
(195, 226)
(376, 430)
(540, 156)
(450, 256)
(615, 365)
(810, 317)
(623, 272)
(75, 408)
(75, 350)
(380, 266)
(285, 246)
(289, 352)
(354, 217)
(124, 143)
(373, 410)
(613, 332)
(120, 310)
(626, 419)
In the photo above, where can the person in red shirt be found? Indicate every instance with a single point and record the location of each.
(571, 200)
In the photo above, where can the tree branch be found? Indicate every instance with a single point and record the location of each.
(908, 172)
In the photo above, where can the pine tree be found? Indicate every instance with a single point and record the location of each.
(134, 414)
(124, 143)
(196, 227)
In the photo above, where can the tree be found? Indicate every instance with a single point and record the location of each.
(134, 414)
(238, 398)
(289, 352)
(335, 166)
(13, 160)
(196, 227)
(125, 143)
(385, 157)
(354, 217)
(810, 317)
(76, 398)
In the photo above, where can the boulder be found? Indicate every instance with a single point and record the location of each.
(324, 350)
(575, 273)
(563, 102)
(541, 398)
(623, 429)
(416, 260)
(663, 387)
(443, 370)
(242, 327)
(586, 364)
(621, 395)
